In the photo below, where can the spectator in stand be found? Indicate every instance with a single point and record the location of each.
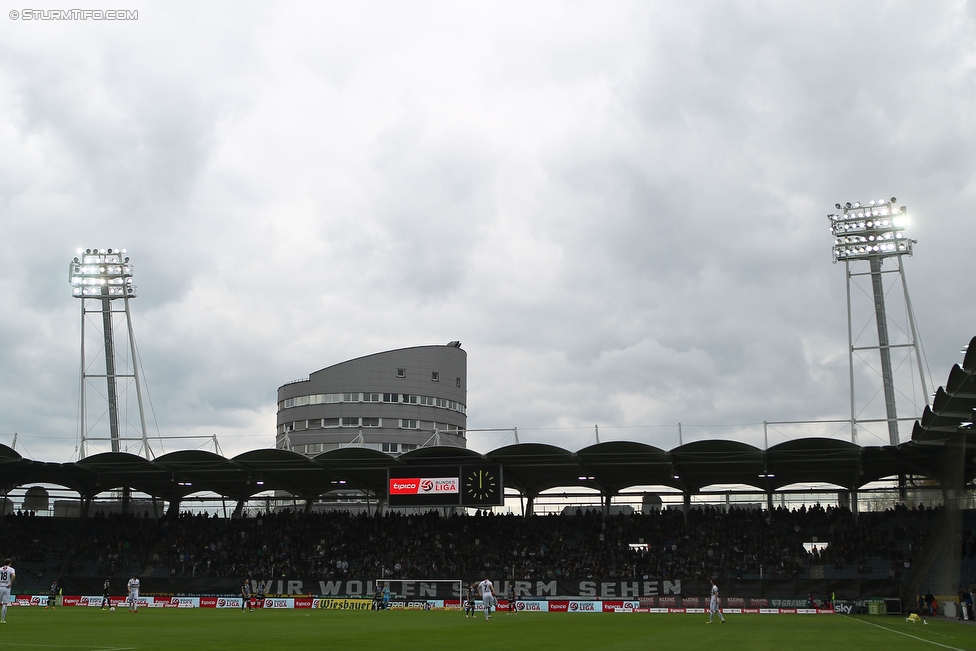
(705, 542)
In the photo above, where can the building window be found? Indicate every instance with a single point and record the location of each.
(406, 447)
(313, 448)
(371, 422)
(435, 376)
(401, 372)
(350, 422)
(314, 423)
(405, 398)
(408, 423)
(391, 447)
(330, 422)
(457, 382)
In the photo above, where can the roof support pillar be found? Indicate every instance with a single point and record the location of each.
(686, 505)
(86, 501)
(529, 504)
(173, 513)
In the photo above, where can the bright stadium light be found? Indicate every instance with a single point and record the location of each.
(102, 279)
(873, 231)
(101, 272)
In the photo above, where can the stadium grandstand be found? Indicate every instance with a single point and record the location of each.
(759, 549)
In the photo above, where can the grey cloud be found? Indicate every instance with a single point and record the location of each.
(621, 212)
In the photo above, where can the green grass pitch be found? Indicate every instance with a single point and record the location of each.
(88, 629)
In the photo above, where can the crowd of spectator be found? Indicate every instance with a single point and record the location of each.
(703, 543)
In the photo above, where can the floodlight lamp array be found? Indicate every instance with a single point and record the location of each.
(874, 230)
(101, 273)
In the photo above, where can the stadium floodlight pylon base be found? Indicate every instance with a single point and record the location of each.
(458, 585)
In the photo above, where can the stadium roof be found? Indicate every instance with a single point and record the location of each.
(529, 468)
(532, 468)
(953, 404)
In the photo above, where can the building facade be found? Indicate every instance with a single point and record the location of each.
(394, 401)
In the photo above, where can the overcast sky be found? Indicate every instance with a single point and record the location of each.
(619, 208)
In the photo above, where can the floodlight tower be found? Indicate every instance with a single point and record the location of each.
(875, 233)
(101, 278)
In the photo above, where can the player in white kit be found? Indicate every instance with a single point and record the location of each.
(7, 576)
(134, 594)
(713, 606)
(487, 596)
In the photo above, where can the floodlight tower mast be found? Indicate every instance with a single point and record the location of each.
(101, 278)
(875, 233)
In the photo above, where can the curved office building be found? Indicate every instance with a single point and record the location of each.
(394, 401)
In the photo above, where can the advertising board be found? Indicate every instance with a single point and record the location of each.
(448, 485)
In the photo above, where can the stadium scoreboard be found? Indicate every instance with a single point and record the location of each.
(471, 484)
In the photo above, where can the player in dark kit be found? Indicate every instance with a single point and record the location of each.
(262, 590)
(469, 602)
(512, 600)
(106, 594)
(246, 596)
(377, 597)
